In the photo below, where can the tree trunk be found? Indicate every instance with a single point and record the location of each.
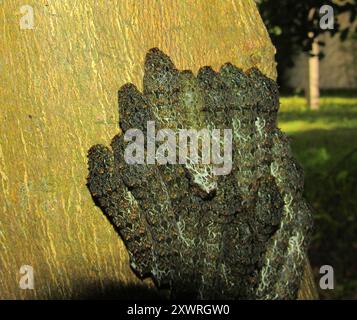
(313, 92)
(59, 81)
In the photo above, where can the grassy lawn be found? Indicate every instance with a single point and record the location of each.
(325, 143)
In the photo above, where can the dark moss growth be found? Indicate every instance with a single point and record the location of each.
(242, 235)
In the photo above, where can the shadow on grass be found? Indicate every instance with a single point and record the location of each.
(329, 159)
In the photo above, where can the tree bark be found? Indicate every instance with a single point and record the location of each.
(313, 92)
(58, 93)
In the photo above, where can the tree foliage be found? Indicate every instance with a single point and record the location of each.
(294, 25)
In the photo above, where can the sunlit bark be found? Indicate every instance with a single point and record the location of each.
(58, 92)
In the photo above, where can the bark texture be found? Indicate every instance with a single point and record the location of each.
(58, 97)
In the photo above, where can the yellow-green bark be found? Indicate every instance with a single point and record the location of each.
(58, 95)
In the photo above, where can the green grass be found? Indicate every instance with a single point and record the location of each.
(325, 144)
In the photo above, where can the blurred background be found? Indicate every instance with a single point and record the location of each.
(316, 44)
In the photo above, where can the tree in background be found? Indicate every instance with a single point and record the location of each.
(294, 27)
